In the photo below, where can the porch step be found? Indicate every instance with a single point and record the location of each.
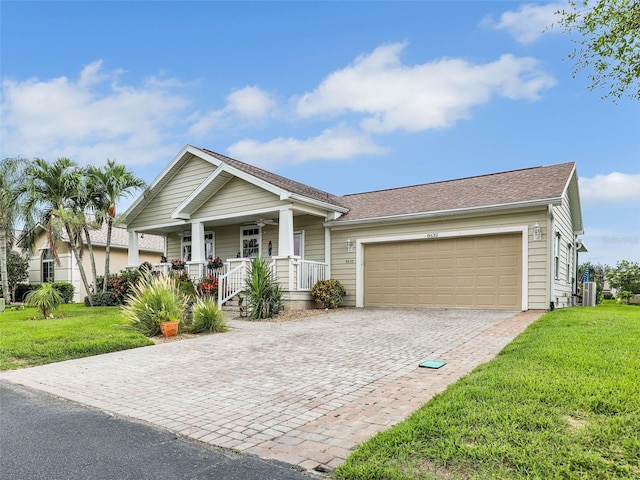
(231, 305)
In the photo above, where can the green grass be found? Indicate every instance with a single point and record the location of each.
(561, 401)
(82, 333)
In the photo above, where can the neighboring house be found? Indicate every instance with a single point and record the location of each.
(501, 241)
(608, 290)
(42, 266)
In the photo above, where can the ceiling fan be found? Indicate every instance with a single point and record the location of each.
(262, 222)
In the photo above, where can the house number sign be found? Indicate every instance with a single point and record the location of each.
(432, 235)
(350, 260)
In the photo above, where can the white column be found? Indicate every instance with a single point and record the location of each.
(134, 255)
(197, 242)
(285, 233)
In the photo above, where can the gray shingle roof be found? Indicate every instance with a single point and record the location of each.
(512, 187)
(504, 188)
(277, 180)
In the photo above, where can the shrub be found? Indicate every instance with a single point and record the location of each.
(208, 287)
(154, 300)
(23, 289)
(66, 290)
(624, 297)
(207, 317)
(328, 293)
(121, 284)
(186, 288)
(262, 294)
(102, 299)
(46, 299)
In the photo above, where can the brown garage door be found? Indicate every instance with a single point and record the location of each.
(467, 272)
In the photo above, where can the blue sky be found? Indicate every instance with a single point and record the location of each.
(343, 96)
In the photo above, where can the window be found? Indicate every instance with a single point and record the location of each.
(186, 248)
(556, 253)
(209, 246)
(569, 257)
(47, 266)
(298, 244)
(250, 242)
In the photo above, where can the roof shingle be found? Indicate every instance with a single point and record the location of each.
(512, 187)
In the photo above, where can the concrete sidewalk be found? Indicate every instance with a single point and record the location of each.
(305, 392)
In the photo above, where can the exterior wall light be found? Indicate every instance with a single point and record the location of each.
(349, 245)
(537, 232)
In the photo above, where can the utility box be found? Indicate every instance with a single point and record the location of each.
(589, 294)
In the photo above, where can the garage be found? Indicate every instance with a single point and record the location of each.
(461, 272)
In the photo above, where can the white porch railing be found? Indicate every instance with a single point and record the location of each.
(308, 273)
(195, 271)
(232, 282)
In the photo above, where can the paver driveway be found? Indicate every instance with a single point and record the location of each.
(304, 392)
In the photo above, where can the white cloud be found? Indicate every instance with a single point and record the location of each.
(333, 144)
(529, 22)
(248, 104)
(89, 119)
(613, 187)
(394, 96)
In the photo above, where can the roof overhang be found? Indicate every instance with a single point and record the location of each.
(573, 195)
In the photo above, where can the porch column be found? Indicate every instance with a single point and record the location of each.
(133, 255)
(197, 242)
(285, 233)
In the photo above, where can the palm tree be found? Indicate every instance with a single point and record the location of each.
(48, 191)
(86, 200)
(10, 175)
(112, 182)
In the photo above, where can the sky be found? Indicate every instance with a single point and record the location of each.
(344, 96)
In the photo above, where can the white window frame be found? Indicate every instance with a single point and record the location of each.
(251, 236)
(47, 258)
(186, 254)
(556, 255)
(569, 262)
(210, 241)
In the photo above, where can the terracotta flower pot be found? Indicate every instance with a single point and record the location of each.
(169, 329)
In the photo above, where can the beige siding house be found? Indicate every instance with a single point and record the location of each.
(507, 240)
(42, 267)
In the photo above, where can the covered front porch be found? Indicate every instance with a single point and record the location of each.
(294, 243)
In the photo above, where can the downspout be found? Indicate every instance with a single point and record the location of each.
(550, 240)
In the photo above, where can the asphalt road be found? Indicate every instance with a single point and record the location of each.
(45, 437)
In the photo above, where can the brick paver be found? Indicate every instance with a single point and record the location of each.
(305, 392)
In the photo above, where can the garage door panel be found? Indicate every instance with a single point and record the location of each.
(473, 272)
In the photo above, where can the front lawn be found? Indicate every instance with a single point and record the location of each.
(561, 401)
(81, 333)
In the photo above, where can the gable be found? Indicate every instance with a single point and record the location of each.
(167, 197)
(235, 197)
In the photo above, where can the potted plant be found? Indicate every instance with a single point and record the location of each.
(177, 264)
(214, 263)
(168, 325)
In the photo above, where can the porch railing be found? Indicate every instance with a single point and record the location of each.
(310, 272)
(231, 283)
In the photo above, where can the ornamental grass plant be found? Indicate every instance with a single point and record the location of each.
(206, 318)
(154, 300)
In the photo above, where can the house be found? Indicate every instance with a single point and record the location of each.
(43, 268)
(507, 240)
